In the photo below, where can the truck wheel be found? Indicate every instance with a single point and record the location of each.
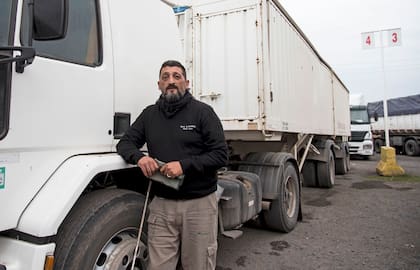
(411, 147)
(347, 160)
(283, 213)
(340, 166)
(101, 232)
(309, 174)
(326, 172)
(378, 144)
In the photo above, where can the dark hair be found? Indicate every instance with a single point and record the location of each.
(173, 63)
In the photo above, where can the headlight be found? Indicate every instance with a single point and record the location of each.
(368, 136)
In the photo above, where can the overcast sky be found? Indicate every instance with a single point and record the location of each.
(334, 28)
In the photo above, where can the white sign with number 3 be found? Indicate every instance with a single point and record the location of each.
(394, 37)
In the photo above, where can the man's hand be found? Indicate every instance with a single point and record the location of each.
(147, 165)
(172, 169)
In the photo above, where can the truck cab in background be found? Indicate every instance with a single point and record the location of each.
(361, 142)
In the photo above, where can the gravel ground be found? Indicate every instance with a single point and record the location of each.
(361, 223)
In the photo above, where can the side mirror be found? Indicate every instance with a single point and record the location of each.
(49, 19)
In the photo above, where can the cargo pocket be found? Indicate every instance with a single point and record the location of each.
(211, 257)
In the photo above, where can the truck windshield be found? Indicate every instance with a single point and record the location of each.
(359, 116)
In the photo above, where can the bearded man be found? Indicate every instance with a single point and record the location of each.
(188, 136)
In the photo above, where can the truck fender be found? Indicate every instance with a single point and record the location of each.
(323, 146)
(341, 150)
(53, 202)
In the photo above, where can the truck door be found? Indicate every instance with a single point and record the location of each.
(7, 9)
(64, 99)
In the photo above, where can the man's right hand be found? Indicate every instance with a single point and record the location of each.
(147, 165)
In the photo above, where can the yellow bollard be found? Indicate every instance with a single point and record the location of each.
(388, 165)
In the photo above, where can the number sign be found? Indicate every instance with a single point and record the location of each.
(368, 40)
(394, 37)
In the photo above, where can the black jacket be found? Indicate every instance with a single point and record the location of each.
(192, 135)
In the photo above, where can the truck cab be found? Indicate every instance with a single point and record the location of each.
(73, 75)
(361, 142)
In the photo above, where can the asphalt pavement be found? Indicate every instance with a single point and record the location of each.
(363, 222)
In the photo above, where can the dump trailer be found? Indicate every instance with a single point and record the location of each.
(75, 74)
(403, 124)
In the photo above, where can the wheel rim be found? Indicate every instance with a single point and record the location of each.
(290, 197)
(118, 251)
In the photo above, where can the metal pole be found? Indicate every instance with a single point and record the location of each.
(385, 103)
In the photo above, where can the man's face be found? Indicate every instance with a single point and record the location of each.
(172, 83)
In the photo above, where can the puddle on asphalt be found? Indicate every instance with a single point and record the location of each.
(370, 185)
(320, 202)
(241, 261)
(279, 245)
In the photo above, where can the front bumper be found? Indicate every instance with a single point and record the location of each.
(364, 148)
(17, 255)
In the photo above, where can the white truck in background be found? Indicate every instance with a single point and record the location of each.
(75, 74)
(361, 141)
(403, 124)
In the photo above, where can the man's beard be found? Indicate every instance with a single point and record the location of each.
(174, 97)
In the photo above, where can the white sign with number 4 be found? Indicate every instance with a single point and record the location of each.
(368, 40)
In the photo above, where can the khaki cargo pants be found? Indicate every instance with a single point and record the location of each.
(186, 228)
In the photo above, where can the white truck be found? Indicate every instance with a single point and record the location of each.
(403, 124)
(75, 74)
(361, 141)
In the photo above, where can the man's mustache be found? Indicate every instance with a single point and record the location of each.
(172, 86)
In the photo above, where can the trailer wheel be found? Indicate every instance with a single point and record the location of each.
(347, 160)
(283, 213)
(378, 144)
(309, 174)
(411, 147)
(326, 172)
(342, 165)
(101, 232)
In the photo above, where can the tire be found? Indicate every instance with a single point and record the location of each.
(326, 172)
(309, 174)
(101, 232)
(347, 161)
(340, 166)
(378, 143)
(411, 148)
(283, 213)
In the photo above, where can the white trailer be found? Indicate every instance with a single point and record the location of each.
(74, 75)
(403, 124)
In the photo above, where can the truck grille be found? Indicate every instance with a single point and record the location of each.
(357, 136)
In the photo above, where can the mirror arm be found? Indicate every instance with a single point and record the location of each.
(25, 58)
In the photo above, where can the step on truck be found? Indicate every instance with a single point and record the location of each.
(75, 74)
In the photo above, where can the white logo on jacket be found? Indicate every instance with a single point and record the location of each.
(188, 127)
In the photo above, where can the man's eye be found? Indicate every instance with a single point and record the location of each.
(177, 76)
